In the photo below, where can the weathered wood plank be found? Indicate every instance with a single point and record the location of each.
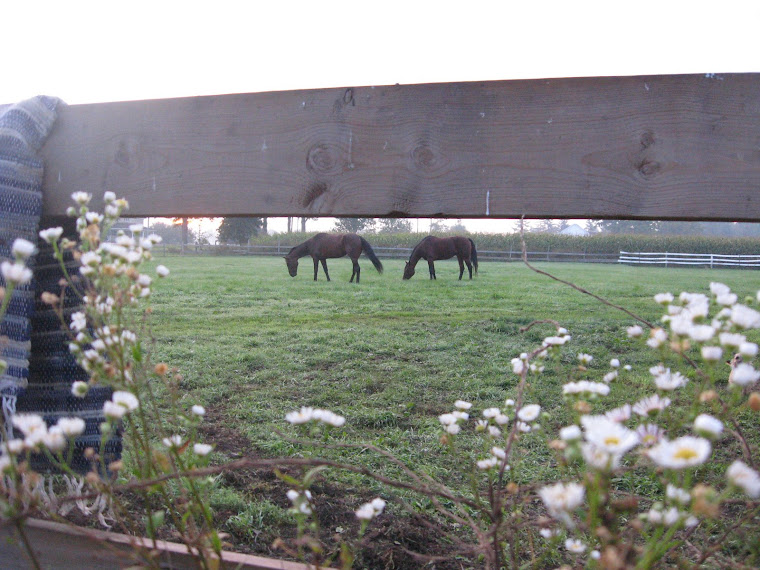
(659, 147)
(66, 547)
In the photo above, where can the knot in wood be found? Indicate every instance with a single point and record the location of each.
(424, 157)
(127, 153)
(649, 168)
(647, 139)
(311, 198)
(323, 159)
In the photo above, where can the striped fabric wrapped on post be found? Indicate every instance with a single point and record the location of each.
(40, 368)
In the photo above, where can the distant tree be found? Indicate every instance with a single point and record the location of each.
(395, 226)
(303, 224)
(185, 236)
(354, 225)
(592, 227)
(202, 238)
(545, 226)
(629, 226)
(171, 234)
(459, 227)
(238, 230)
(438, 226)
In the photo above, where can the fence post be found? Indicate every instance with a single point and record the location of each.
(711, 261)
(666, 259)
(547, 252)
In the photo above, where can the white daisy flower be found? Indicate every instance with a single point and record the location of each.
(651, 405)
(748, 349)
(686, 451)
(711, 353)
(23, 249)
(561, 499)
(608, 435)
(302, 416)
(570, 433)
(529, 413)
(575, 546)
(635, 331)
(51, 235)
(126, 399)
(744, 317)
(744, 375)
(718, 289)
(744, 477)
(81, 198)
(16, 273)
(173, 441)
(663, 298)
(650, 434)
(71, 427)
(677, 494)
(708, 426)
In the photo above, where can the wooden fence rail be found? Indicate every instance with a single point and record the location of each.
(652, 147)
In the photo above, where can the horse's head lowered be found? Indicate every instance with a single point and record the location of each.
(292, 265)
(408, 270)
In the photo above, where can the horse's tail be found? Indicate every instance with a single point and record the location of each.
(474, 255)
(371, 254)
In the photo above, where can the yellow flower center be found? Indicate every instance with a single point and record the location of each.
(612, 440)
(685, 453)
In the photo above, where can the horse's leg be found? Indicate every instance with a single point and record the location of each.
(469, 266)
(431, 268)
(357, 271)
(324, 266)
(461, 268)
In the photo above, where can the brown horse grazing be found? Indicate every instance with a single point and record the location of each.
(326, 246)
(433, 248)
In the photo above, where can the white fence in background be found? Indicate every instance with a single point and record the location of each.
(633, 258)
(387, 253)
(701, 259)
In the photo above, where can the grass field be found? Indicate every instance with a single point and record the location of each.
(253, 343)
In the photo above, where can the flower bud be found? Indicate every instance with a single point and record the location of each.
(708, 396)
(754, 401)
(706, 501)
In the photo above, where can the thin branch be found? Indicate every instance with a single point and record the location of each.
(574, 286)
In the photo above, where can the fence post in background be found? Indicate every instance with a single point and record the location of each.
(510, 251)
(548, 247)
(711, 261)
(666, 259)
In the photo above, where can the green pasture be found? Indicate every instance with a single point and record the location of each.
(253, 343)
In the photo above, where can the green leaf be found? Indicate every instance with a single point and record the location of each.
(311, 475)
(287, 478)
(137, 353)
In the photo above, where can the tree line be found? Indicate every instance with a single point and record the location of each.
(240, 230)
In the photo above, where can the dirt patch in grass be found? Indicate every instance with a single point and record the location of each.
(391, 542)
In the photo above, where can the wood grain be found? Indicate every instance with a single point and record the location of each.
(659, 147)
(67, 547)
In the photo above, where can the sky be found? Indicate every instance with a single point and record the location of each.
(117, 50)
